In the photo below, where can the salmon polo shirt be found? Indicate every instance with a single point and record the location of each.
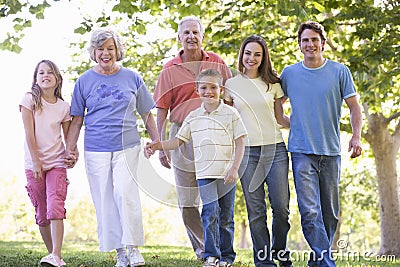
(176, 87)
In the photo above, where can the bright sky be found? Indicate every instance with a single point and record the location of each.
(47, 39)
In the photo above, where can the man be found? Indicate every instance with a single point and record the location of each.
(175, 94)
(316, 88)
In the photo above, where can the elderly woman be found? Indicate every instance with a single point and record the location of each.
(106, 97)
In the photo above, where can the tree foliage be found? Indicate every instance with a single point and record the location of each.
(364, 35)
(20, 13)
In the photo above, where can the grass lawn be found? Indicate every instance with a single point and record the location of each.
(28, 254)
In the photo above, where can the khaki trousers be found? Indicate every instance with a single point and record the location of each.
(188, 193)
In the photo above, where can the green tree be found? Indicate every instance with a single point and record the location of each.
(373, 56)
(364, 35)
(20, 14)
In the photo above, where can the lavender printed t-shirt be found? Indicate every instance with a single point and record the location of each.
(109, 104)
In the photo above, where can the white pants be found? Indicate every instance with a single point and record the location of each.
(115, 194)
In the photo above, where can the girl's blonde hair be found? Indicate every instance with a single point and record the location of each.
(37, 92)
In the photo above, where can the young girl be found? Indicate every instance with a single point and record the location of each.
(44, 114)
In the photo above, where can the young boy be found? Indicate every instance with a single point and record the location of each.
(217, 132)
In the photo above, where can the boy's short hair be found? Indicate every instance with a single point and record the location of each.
(208, 73)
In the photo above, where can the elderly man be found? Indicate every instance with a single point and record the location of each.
(175, 94)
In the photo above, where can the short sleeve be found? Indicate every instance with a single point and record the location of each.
(78, 102)
(163, 94)
(67, 116)
(144, 101)
(26, 102)
(278, 90)
(184, 132)
(347, 87)
(238, 126)
(283, 82)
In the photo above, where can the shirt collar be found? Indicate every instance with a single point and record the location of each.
(178, 58)
(204, 111)
(320, 67)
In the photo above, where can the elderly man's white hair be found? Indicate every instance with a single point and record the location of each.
(190, 18)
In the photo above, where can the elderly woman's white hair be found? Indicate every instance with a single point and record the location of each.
(100, 36)
(190, 18)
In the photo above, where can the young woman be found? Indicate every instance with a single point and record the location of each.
(256, 93)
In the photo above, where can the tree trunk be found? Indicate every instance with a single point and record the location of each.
(385, 149)
(389, 204)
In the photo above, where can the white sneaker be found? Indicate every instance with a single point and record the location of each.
(122, 261)
(211, 262)
(52, 260)
(224, 264)
(135, 258)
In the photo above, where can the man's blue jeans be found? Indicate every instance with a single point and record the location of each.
(217, 217)
(269, 165)
(317, 179)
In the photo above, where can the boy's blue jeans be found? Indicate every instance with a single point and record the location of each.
(217, 218)
(316, 179)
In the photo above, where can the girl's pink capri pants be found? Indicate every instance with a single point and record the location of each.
(48, 194)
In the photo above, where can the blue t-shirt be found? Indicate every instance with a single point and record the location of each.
(108, 104)
(316, 97)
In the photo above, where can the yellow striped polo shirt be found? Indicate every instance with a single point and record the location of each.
(213, 136)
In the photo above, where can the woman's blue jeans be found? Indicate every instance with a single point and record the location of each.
(268, 165)
(217, 217)
(316, 179)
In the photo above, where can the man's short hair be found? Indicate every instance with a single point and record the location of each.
(311, 25)
(190, 18)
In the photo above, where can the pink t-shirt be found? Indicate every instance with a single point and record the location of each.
(48, 132)
(176, 88)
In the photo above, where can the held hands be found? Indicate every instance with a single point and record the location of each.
(148, 151)
(164, 155)
(70, 158)
(151, 147)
